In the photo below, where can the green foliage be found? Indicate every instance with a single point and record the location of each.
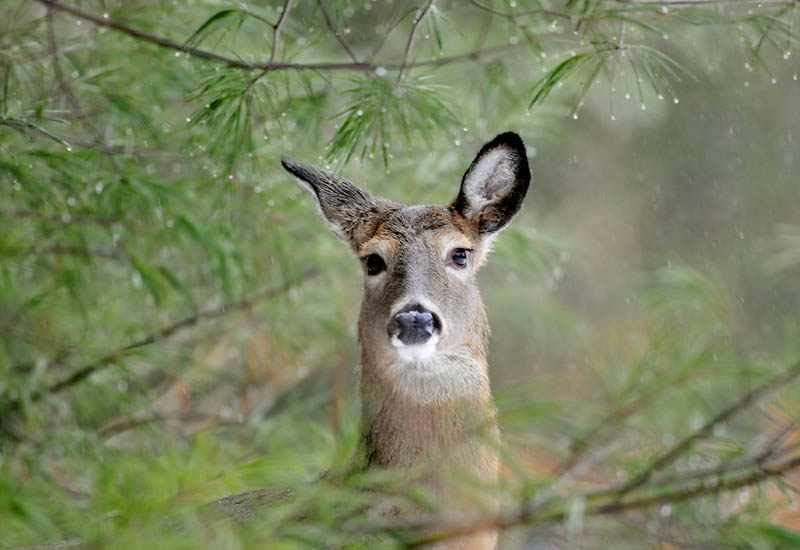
(177, 325)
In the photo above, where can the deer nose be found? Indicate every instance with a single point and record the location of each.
(413, 325)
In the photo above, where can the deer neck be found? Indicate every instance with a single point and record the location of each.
(432, 412)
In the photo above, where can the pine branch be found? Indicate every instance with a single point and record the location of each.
(412, 37)
(335, 32)
(694, 3)
(66, 250)
(613, 500)
(363, 67)
(118, 425)
(70, 141)
(685, 444)
(276, 30)
(203, 54)
(512, 15)
(165, 333)
(448, 529)
(84, 120)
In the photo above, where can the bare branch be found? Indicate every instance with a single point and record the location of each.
(685, 444)
(388, 29)
(84, 120)
(512, 15)
(335, 32)
(689, 3)
(443, 529)
(118, 425)
(167, 332)
(66, 250)
(276, 31)
(366, 67)
(421, 14)
(31, 130)
(67, 141)
(62, 219)
(202, 54)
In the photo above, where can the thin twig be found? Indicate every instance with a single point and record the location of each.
(335, 31)
(84, 120)
(686, 443)
(276, 30)
(116, 426)
(397, 17)
(167, 332)
(512, 15)
(31, 130)
(68, 141)
(421, 14)
(278, 65)
(442, 529)
(688, 3)
(256, 16)
(67, 250)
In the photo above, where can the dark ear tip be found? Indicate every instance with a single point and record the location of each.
(510, 139)
(289, 164)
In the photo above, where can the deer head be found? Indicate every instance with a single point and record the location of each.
(420, 262)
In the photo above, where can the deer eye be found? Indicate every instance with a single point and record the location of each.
(375, 264)
(458, 258)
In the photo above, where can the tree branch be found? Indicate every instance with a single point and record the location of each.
(685, 444)
(689, 3)
(67, 250)
(112, 357)
(84, 120)
(512, 15)
(335, 32)
(276, 30)
(197, 52)
(365, 67)
(442, 529)
(32, 130)
(421, 14)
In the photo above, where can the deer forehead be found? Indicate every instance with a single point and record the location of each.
(433, 226)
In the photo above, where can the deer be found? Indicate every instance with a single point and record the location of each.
(422, 328)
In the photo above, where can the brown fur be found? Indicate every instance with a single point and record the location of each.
(435, 414)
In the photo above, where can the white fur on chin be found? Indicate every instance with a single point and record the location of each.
(418, 352)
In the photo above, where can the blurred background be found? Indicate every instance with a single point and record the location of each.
(177, 324)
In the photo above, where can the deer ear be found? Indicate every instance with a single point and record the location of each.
(495, 184)
(351, 212)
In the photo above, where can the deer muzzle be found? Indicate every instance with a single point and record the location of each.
(413, 325)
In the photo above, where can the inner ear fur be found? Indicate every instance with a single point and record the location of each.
(351, 212)
(495, 184)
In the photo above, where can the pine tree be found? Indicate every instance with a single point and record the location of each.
(176, 326)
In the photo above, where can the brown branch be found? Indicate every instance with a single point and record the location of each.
(67, 141)
(276, 30)
(67, 250)
(393, 23)
(443, 529)
(118, 425)
(62, 219)
(256, 16)
(421, 14)
(686, 443)
(690, 3)
(112, 357)
(31, 130)
(580, 445)
(197, 52)
(512, 15)
(84, 120)
(366, 67)
(335, 32)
